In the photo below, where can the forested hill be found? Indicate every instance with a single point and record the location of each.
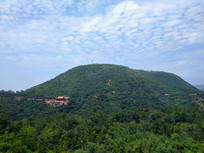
(106, 86)
(111, 109)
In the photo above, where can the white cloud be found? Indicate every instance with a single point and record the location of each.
(121, 33)
(126, 20)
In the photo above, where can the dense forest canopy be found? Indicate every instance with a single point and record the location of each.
(99, 132)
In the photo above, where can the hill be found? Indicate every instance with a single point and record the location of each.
(112, 87)
(112, 109)
(200, 87)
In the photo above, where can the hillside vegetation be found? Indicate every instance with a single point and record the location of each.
(113, 87)
(112, 109)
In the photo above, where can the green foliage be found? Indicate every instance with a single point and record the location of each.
(22, 109)
(115, 88)
(99, 132)
(112, 109)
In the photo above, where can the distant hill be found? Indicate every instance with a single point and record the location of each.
(200, 87)
(113, 87)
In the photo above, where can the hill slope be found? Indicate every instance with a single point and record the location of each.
(105, 86)
(115, 90)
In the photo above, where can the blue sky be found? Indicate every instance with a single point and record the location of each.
(40, 39)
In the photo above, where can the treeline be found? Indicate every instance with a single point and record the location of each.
(8, 93)
(18, 110)
(141, 130)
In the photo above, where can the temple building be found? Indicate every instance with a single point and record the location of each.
(58, 101)
(61, 99)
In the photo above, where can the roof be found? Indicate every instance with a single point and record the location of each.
(60, 97)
